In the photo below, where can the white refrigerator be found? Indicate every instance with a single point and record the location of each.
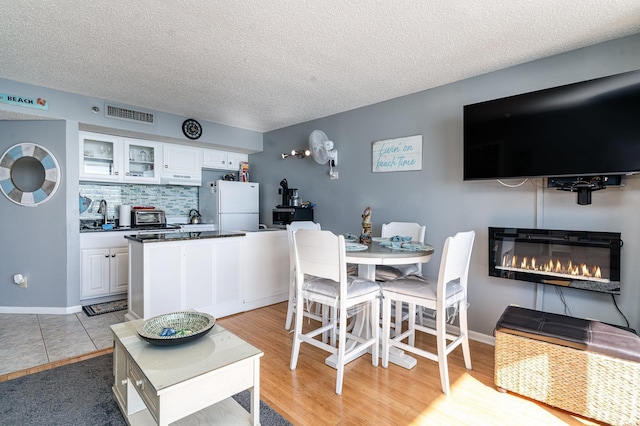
(231, 205)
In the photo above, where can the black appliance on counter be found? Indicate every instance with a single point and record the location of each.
(290, 209)
(289, 195)
(282, 216)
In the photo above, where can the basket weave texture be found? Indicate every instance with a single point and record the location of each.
(590, 384)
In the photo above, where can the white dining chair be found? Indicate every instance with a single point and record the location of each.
(405, 229)
(321, 277)
(291, 307)
(448, 291)
(387, 272)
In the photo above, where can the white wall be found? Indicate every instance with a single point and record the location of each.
(438, 197)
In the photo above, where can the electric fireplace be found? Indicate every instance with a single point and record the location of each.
(578, 259)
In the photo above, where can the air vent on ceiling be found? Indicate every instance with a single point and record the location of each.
(112, 111)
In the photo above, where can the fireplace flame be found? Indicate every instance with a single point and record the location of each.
(581, 270)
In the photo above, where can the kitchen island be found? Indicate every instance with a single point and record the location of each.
(220, 273)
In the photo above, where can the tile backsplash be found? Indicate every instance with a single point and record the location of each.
(173, 199)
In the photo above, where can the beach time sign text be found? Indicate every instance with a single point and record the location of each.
(397, 155)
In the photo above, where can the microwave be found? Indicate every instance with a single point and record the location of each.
(148, 217)
(283, 216)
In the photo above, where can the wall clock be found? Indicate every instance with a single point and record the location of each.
(191, 128)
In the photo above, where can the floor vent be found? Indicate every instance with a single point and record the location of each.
(112, 111)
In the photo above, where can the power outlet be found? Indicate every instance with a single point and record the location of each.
(23, 284)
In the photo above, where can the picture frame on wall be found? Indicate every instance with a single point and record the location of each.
(397, 155)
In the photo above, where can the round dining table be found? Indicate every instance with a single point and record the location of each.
(375, 254)
(367, 260)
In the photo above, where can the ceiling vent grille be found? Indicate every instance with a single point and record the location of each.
(112, 111)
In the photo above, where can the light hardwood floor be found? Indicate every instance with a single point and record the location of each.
(393, 396)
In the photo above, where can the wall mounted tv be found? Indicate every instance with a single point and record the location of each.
(581, 129)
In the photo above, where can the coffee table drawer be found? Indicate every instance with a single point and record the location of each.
(144, 388)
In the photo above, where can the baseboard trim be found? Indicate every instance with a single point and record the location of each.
(473, 335)
(40, 310)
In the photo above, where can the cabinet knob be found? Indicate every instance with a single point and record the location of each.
(113, 255)
(128, 174)
(106, 255)
(124, 382)
(115, 173)
(140, 384)
(166, 166)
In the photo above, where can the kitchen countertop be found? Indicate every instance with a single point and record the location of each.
(92, 228)
(181, 236)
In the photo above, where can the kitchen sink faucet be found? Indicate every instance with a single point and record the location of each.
(103, 209)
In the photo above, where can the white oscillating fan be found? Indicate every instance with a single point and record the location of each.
(322, 149)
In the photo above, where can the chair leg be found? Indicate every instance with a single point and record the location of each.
(328, 314)
(462, 319)
(398, 317)
(386, 330)
(375, 331)
(290, 307)
(342, 343)
(411, 324)
(297, 331)
(441, 341)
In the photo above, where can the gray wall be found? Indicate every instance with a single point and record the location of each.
(35, 240)
(166, 128)
(437, 197)
(43, 242)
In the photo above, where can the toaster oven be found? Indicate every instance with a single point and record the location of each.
(148, 217)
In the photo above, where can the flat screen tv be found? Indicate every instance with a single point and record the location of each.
(581, 129)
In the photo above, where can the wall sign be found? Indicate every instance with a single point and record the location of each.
(36, 103)
(397, 155)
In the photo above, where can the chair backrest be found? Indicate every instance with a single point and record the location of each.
(404, 229)
(456, 258)
(291, 229)
(321, 254)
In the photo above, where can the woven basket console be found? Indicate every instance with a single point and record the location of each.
(590, 384)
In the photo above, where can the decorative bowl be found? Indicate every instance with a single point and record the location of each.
(176, 328)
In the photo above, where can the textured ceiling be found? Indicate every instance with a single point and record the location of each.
(264, 65)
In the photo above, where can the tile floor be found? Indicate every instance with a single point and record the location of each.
(29, 340)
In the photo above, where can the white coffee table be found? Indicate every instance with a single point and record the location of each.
(188, 384)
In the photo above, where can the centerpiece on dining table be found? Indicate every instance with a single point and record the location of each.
(365, 235)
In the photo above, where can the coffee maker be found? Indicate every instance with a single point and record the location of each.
(290, 196)
(290, 209)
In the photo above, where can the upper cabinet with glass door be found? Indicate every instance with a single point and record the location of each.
(106, 158)
(142, 161)
(100, 157)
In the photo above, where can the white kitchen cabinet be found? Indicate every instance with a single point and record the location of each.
(104, 264)
(222, 160)
(200, 274)
(219, 276)
(182, 165)
(104, 272)
(106, 158)
(265, 279)
(234, 159)
(142, 161)
(100, 157)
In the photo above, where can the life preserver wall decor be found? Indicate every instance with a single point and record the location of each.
(29, 174)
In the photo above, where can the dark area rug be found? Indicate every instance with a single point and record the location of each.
(104, 308)
(79, 394)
